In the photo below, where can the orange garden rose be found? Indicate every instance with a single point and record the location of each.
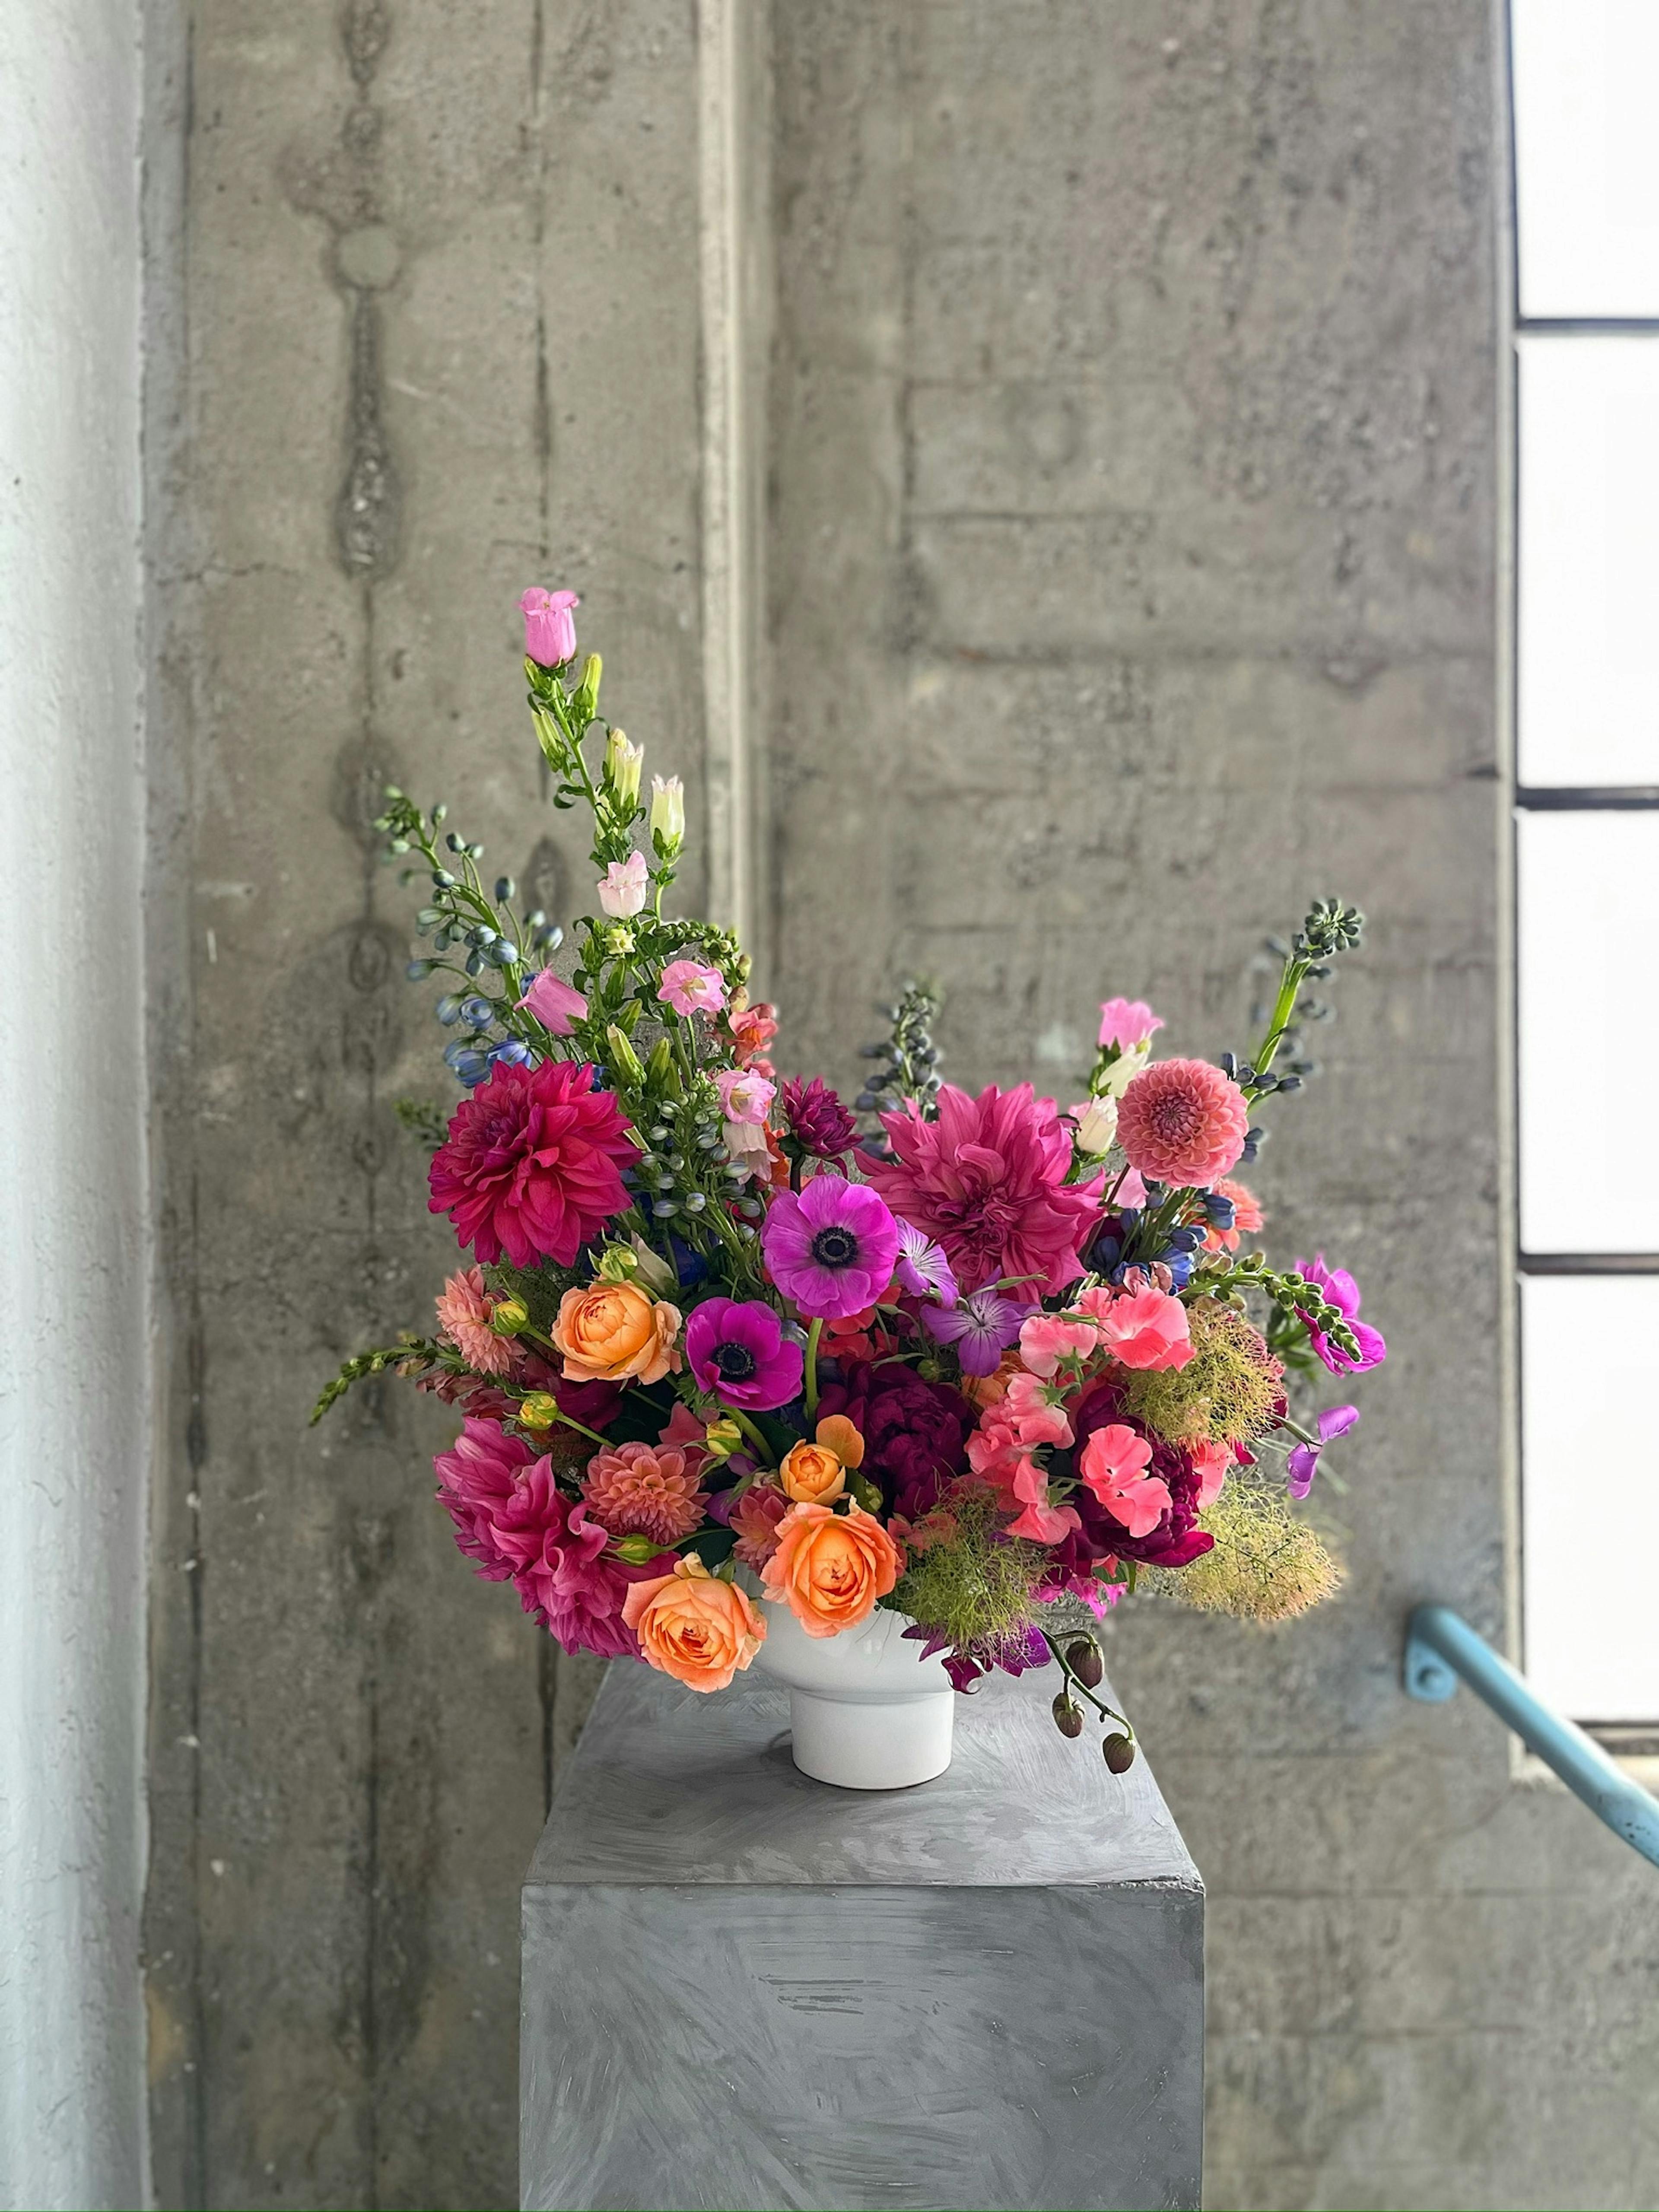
(694, 1626)
(816, 1473)
(830, 1568)
(613, 1331)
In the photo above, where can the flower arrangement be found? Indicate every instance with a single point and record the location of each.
(723, 1344)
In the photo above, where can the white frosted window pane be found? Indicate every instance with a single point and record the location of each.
(1588, 639)
(1588, 909)
(1587, 156)
(1590, 1493)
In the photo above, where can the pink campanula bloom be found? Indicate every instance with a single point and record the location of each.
(1343, 1292)
(1126, 1023)
(533, 1164)
(1143, 1328)
(621, 888)
(745, 1097)
(691, 989)
(1303, 1463)
(555, 1003)
(549, 625)
(1048, 1339)
(1183, 1122)
(830, 1247)
(737, 1350)
(987, 1180)
(464, 1310)
(1113, 1465)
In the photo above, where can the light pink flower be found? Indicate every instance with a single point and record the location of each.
(1037, 1416)
(691, 989)
(1248, 1218)
(1113, 1466)
(477, 1477)
(549, 625)
(1211, 1461)
(1126, 1023)
(745, 1097)
(756, 1517)
(621, 888)
(1183, 1122)
(1143, 1328)
(643, 1490)
(555, 1003)
(987, 1180)
(1129, 1191)
(1047, 1339)
(464, 1310)
(1043, 1523)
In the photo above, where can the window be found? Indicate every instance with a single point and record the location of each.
(1587, 847)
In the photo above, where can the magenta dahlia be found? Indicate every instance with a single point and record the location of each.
(477, 1477)
(1183, 1122)
(533, 1164)
(816, 1119)
(988, 1182)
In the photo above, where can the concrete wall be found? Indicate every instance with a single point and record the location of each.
(74, 1253)
(1131, 472)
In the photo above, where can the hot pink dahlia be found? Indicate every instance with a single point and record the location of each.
(643, 1490)
(533, 1164)
(988, 1182)
(1183, 1122)
(463, 1311)
(477, 1477)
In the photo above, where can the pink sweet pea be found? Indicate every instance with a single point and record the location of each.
(621, 888)
(1044, 1523)
(1113, 1466)
(1127, 1023)
(691, 989)
(555, 1004)
(549, 625)
(1146, 1329)
(1037, 1418)
(1211, 1462)
(745, 1098)
(1047, 1339)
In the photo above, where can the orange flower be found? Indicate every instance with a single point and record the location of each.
(830, 1568)
(692, 1625)
(991, 1390)
(816, 1473)
(613, 1331)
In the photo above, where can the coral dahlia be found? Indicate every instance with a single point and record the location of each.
(533, 1164)
(464, 1310)
(987, 1180)
(644, 1489)
(1183, 1122)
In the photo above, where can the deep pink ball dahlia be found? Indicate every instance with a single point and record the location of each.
(533, 1164)
(1183, 1122)
(988, 1182)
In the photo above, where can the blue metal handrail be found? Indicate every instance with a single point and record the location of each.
(1440, 1645)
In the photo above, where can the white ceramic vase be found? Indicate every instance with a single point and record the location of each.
(867, 1710)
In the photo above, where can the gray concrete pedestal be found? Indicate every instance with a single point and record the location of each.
(745, 1988)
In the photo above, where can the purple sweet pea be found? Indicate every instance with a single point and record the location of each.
(830, 1247)
(921, 1266)
(982, 1328)
(1303, 1464)
(740, 1353)
(1343, 1292)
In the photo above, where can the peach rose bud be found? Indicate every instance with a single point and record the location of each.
(811, 1474)
(613, 1333)
(830, 1568)
(694, 1626)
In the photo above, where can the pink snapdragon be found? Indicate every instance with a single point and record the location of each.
(549, 625)
(555, 1003)
(621, 887)
(1143, 1328)
(1113, 1465)
(1126, 1023)
(689, 987)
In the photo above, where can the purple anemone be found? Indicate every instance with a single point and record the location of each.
(740, 1353)
(831, 1247)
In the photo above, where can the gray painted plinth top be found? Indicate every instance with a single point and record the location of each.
(669, 1785)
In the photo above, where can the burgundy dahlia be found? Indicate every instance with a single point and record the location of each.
(817, 1119)
(533, 1164)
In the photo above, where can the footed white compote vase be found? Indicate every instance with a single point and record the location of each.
(867, 1711)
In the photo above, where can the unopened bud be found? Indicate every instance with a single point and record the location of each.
(1084, 1660)
(508, 1317)
(637, 1550)
(668, 812)
(622, 763)
(722, 1437)
(587, 691)
(1119, 1753)
(538, 1411)
(1097, 1128)
(624, 1057)
(1068, 1717)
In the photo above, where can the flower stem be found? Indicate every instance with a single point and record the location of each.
(752, 1433)
(812, 1335)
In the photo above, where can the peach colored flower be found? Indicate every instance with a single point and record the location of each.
(990, 1389)
(643, 1490)
(1211, 1462)
(612, 1331)
(1248, 1217)
(464, 1310)
(839, 1435)
(694, 1626)
(1145, 1327)
(811, 1474)
(756, 1517)
(1183, 1122)
(830, 1568)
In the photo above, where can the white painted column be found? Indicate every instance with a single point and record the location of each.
(74, 1233)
